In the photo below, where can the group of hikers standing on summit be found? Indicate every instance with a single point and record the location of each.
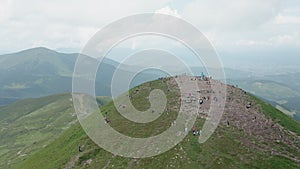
(196, 132)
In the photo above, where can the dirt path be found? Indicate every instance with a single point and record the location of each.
(72, 162)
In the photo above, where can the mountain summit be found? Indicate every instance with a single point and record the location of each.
(251, 134)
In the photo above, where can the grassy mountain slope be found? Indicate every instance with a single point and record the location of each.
(40, 72)
(259, 137)
(34, 73)
(277, 93)
(30, 124)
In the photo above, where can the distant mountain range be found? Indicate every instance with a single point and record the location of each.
(40, 72)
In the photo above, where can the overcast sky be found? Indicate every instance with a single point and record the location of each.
(231, 25)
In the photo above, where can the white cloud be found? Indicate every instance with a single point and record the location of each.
(233, 24)
(168, 11)
(69, 24)
(233, 14)
(5, 12)
(280, 19)
(62, 24)
(252, 43)
(289, 39)
(275, 41)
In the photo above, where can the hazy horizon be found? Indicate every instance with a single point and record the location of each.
(254, 35)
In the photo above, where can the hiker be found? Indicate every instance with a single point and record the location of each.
(198, 114)
(194, 129)
(80, 149)
(106, 120)
(227, 123)
(248, 106)
(186, 130)
(202, 76)
(200, 132)
(200, 101)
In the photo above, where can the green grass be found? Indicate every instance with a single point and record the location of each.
(224, 149)
(62, 147)
(276, 162)
(278, 116)
(30, 124)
